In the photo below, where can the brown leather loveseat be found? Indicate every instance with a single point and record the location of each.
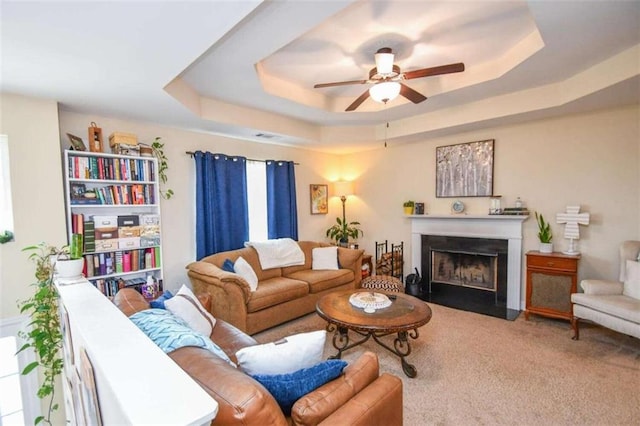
(360, 396)
(282, 294)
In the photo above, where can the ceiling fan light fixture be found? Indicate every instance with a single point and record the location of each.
(384, 63)
(385, 91)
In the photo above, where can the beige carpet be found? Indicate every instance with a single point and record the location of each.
(474, 369)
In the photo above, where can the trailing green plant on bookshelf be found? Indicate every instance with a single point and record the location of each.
(163, 165)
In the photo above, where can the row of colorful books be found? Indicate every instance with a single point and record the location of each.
(110, 168)
(99, 264)
(110, 286)
(123, 194)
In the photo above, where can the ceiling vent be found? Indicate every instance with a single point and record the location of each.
(265, 136)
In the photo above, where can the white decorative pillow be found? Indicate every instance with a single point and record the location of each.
(632, 283)
(186, 306)
(324, 258)
(245, 270)
(285, 356)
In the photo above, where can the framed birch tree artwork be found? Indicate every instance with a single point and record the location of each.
(465, 170)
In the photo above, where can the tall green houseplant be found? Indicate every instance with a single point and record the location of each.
(44, 335)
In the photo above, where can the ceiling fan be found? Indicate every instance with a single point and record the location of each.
(387, 78)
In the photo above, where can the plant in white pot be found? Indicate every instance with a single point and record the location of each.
(68, 261)
(544, 234)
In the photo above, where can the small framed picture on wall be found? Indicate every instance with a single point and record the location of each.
(319, 198)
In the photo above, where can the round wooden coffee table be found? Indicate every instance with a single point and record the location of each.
(405, 315)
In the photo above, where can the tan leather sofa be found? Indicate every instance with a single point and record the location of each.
(360, 396)
(282, 294)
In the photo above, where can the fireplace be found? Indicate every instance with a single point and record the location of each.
(470, 262)
(466, 269)
(466, 273)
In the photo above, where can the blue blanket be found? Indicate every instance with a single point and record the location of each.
(170, 332)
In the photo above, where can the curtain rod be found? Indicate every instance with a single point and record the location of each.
(250, 159)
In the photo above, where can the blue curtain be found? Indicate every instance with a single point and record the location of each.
(222, 218)
(282, 211)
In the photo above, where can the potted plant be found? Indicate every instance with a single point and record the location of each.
(67, 261)
(44, 335)
(544, 234)
(408, 207)
(343, 230)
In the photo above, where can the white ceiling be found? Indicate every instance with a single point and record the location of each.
(242, 68)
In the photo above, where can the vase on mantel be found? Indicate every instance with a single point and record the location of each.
(546, 248)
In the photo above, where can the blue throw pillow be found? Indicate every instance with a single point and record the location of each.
(288, 388)
(159, 302)
(228, 266)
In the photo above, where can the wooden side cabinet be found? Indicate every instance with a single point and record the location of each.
(551, 279)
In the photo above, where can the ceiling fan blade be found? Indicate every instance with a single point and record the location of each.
(358, 101)
(427, 72)
(411, 94)
(339, 83)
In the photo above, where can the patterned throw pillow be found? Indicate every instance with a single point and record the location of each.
(170, 332)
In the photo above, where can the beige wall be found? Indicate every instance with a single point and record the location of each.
(38, 202)
(591, 160)
(178, 213)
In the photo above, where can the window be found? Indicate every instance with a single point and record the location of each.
(19, 404)
(6, 212)
(257, 200)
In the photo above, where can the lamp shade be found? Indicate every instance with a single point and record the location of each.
(343, 188)
(384, 62)
(385, 91)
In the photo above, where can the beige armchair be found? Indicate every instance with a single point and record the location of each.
(612, 304)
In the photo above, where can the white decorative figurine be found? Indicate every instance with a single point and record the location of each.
(572, 218)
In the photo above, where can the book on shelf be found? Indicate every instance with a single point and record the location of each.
(121, 261)
(89, 236)
(110, 286)
(516, 211)
(106, 168)
(84, 201)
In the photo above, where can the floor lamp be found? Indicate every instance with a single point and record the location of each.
(343, 189)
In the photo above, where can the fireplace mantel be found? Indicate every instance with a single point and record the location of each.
(507, 227)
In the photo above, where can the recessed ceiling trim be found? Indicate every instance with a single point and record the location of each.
(540, 98)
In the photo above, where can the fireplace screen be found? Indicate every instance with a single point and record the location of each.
(477, 270)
